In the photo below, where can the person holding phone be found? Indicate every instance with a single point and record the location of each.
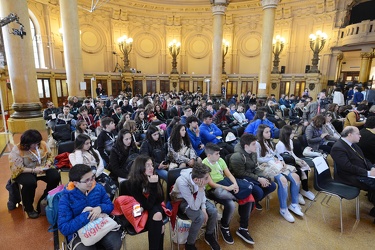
(145, 187)
(32, 160)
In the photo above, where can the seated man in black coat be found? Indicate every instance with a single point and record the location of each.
(352, 167)
(367, 141)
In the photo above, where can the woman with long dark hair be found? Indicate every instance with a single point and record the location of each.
(84, 153)
(153, 146)
(285, 145)
(144, 186)
(180, 150)
(267, 154)
(122, 155)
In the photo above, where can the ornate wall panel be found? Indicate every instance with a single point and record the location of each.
(198, 46)
(147, 45)
(92, 39)
(249, 44)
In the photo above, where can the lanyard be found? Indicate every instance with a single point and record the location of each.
(110, 136)
(37, 156)
(217, 167)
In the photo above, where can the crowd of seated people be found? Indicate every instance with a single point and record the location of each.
(172, 130)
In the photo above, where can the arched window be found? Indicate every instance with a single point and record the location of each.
(34, 38)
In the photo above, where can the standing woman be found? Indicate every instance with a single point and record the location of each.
(121, 155)
(153, 146)
(144, 186)
(31, 160)
(266, 153)
(180, 150)
(285, 144)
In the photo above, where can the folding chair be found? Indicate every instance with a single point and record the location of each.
(324, 183)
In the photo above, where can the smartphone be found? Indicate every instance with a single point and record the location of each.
(166, 162)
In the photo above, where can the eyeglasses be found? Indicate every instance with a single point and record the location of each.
(88, 180)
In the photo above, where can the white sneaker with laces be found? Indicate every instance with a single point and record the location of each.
(308, 194)
(295, 208)
(285, 213)
(300, 199)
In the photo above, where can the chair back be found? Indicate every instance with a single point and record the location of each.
(173, 174)
(322, 173)
(66, 146)
(122, 187)
(297, 148)
(302, 139)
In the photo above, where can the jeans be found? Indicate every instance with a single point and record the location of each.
(282, 190)
(197, 220)
(111, 241)
(260, 192)
(229, 206)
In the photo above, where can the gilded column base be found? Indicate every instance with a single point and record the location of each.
(27, 110)
(16, 126)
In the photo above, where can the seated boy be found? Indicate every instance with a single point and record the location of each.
(224, 188)
(190, 187)
(84, 201)
(106, 139)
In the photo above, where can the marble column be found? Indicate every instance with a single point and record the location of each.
(365, 66)
(21, 67)
(72, 47)
(218, 11)
(269, 9)
(340, 56)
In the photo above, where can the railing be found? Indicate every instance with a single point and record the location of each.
(358, 33)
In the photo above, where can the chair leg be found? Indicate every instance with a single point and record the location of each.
(329, 198)
(357, 208)
(268, 202)
(170, 234)
(341, 215)
(311, 202)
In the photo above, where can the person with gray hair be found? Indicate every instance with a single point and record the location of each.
(351, 164)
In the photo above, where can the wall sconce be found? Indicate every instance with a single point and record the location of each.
(317, 42)
(277, 48)
(125, 45)
(225, 52)
(174, 50)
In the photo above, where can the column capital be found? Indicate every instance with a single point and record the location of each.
(267, 4)
(219, 6)
(340, 56)
(366, 55)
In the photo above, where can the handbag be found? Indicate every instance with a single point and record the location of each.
(181, 231)
(273, 168)
(95, 230)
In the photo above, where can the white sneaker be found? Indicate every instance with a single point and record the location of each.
(308, 194)
(295, 209)
(300, 199)
(285, 213)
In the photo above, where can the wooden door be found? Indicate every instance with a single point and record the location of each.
(44, 91)
(62, 92)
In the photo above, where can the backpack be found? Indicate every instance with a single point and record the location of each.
(52, 208)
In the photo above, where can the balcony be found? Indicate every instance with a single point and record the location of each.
(357, 34)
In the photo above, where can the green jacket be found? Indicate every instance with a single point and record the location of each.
(242, 164)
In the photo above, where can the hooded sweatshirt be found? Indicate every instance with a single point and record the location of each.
(185, 188)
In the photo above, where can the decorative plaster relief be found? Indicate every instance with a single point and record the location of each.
(249, 45)
(91, 39)
(198, 46)
(266, 4)
(147, 45)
